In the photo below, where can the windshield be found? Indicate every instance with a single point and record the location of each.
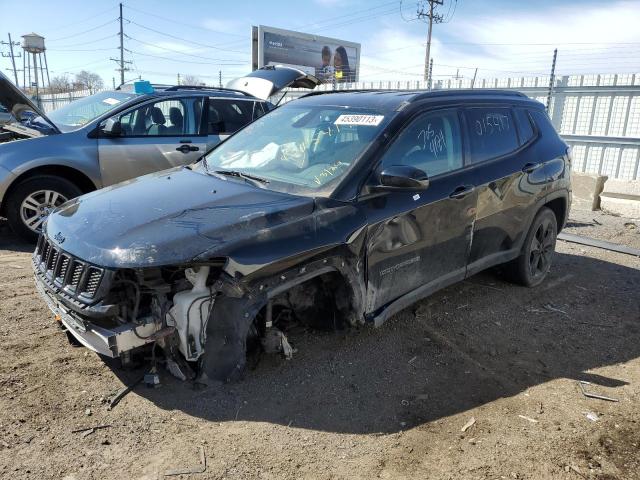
(82, 111)
(300, 149)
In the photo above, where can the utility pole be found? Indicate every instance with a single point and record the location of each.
(430, 74)
(178, 79)
(473, 82)
(12, 56)
(552, 78)
(220, 78)
(433, 18)
(121, 61)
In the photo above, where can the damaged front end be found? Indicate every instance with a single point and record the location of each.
(188, 311)
(115, 312)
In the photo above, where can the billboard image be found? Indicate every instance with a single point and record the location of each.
(329, 59)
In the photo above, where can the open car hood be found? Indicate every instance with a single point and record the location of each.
(19, 106)
(267, 81)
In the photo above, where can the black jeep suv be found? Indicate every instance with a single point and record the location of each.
(340, 207)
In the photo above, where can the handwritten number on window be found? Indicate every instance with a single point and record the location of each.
(434, 140)
(492, 123)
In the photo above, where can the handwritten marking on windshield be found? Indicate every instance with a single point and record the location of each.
(327, 172)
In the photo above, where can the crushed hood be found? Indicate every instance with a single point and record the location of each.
(267, 81)
(19, 105)
(169, 218)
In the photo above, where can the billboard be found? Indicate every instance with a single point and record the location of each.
(330, 59)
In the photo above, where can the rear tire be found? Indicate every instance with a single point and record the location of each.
(26, 199)
(532, 266)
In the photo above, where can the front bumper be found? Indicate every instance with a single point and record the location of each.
(110, 342)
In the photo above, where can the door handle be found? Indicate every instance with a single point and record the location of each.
(184, 148)
(462, 191)
(531, 167)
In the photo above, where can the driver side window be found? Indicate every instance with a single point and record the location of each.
(430, 142)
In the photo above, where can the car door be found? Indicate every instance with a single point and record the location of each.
(509, 177)
(226, 116)
(418, 241)
(156, 135)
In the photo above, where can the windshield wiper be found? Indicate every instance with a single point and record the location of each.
(246, 176)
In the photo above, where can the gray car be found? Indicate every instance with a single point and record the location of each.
(117, 135)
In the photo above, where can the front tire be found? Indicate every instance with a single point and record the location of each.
(532, 266)
(31, 201)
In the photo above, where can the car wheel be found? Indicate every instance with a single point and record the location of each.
(31, 201)
(532, 266)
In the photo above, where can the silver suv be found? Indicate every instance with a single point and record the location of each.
(117, 135)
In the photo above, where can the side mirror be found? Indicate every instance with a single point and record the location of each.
(112, 128)
(403, 177)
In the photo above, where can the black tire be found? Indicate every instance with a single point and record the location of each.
(27, 187)
(532, 266)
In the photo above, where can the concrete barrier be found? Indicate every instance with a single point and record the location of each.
(586, 190)
(621, 197)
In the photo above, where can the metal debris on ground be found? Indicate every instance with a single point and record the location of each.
(89, 430)
(551, 308)
(528, 419)
(593, 242)
(582, 383)
(592, 416)
(468, 425)
(122, 393)
(152, 379)
(201, 468)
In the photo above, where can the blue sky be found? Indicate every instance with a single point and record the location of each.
(501, 38)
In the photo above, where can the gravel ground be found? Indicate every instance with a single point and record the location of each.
(364, 403)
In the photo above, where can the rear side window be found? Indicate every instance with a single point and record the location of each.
(543, 122)
(227, 116)
(524, 126)
(492, 133)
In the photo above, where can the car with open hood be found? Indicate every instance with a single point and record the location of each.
(340, 208)
(113, 136)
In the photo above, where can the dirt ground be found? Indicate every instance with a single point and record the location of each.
(364, 403)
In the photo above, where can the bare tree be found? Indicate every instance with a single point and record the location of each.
(191, 80)
(60, 84)
(89, 80)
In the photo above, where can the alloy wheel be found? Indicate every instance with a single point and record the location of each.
(36, 207)
(541, 251)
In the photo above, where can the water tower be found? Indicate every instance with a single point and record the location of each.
(34, 44)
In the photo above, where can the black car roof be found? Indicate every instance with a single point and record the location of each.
(389, 100)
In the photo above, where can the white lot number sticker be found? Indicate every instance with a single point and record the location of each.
(111, 101)
(371, 120)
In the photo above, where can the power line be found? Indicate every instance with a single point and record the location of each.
(181, 60)
(165, 34)
(60, 48)
(176, 51)
(84, 31)
(174, 22)
(95, 15)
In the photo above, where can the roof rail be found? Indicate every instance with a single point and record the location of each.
(473, 92)
(175, 88)
(429, 94)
